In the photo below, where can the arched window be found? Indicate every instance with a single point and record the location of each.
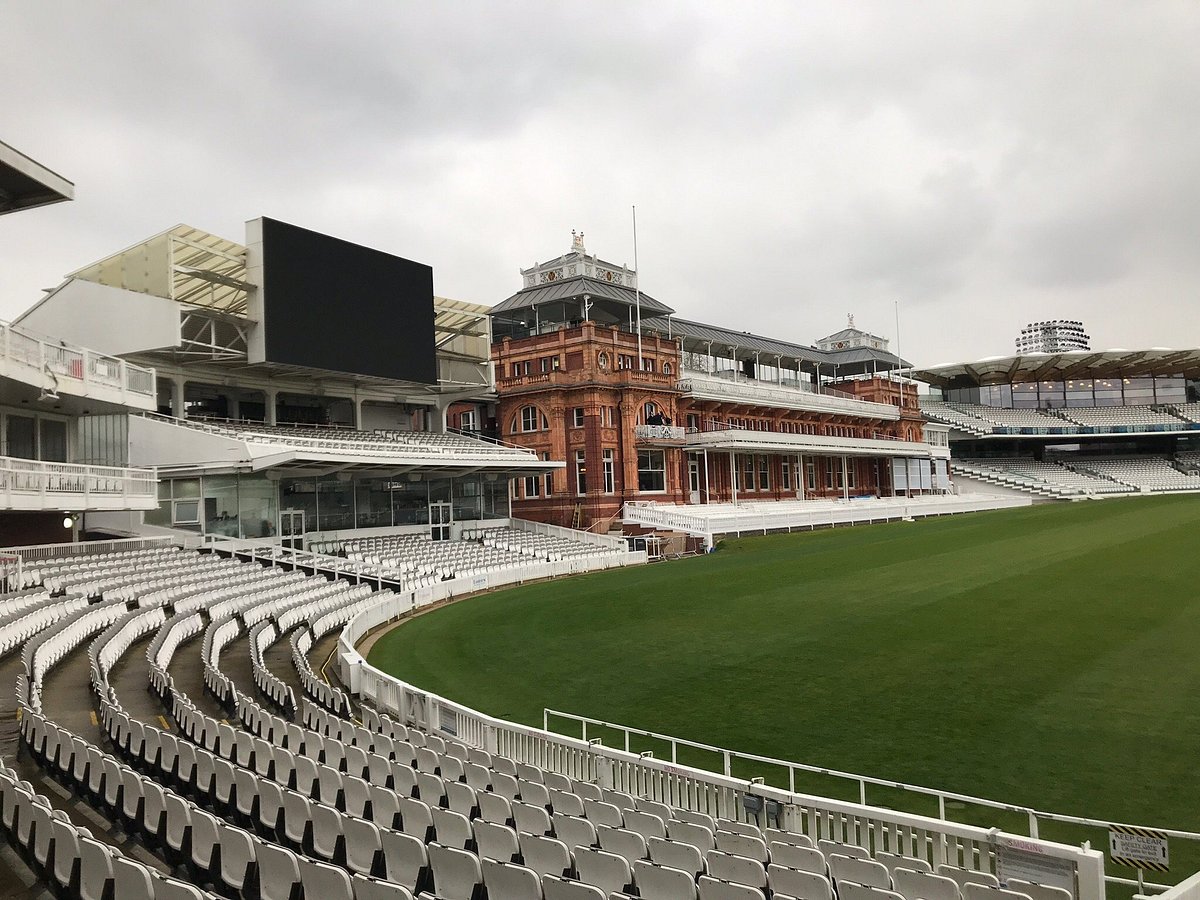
(532, 419)
(602, 360)
(666, 368)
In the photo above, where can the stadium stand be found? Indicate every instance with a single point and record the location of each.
(1117, 417)
(1143, 473)
(1047, 479)
(288, 795)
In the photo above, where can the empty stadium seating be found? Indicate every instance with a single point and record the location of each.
(1143, 473)
(284, 794)
(979, 420)
(1043, 478)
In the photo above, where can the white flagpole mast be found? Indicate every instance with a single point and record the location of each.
(899, 358)
(637, 290)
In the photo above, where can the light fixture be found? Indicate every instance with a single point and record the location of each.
(68, 521)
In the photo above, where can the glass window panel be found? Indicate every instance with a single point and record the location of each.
(54, 440)
(468, 498)
(22, 438)
(257, 506)
(372, 503)
(300, 494)
(335, 504)
(220, 505)
(410, 502)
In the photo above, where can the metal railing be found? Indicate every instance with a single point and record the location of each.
(807, 514)
(659, 432)
(89, 548)
(728, 758)
(74, 481)
(61, 360)
(583, 537)
(743, 799)
(755, 391)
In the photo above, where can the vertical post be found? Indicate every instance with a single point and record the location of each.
(733, 475)
(845, 478)
(637, 290)
(707, 495)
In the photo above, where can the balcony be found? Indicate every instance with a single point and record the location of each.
(741, 440)
(30, 484)
(659, 435)
(60, 368)
(757, 393)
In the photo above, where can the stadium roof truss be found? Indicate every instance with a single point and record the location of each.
(1074, 364)
(183, 264)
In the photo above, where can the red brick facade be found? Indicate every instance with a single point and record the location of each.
(582, 390)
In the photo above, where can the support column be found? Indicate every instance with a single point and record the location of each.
(358, 420)
(270, 400)
(707, 492)
(845, 479)
(733, 475)
(178, 409)
(233, 406)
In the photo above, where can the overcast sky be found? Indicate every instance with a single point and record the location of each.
(985, 164)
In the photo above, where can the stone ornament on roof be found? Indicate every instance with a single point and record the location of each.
(577, 242)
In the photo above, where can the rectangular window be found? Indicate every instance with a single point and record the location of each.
(516, 370)
(22, 437)
(610, 484)
(531, 486)
(647, 364)
(529, 418)
(850, 474)
(748, 471)
(652, 471)
(580, 473)
(829, 473)
(785, 474)
(549, 476)
(764, 473)
(812, 474)
(544, 364)
(577, 416)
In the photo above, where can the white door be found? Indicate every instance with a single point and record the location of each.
(291, 528)
(693, 479)
(439, 521)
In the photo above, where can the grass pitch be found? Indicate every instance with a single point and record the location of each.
(1047, 656)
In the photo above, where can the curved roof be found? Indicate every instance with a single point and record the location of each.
(1117, 363)
(574, 289)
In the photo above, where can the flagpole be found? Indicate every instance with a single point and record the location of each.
(637, 291)
(899, 358)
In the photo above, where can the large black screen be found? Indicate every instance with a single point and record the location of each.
(331, 304)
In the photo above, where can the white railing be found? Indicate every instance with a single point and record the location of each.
(80, 484)
(808, 514)
(678, 785)
(88, 548)
(571, 534)
(659, 432)
(75, 363)
(705, 386)
(726, 760)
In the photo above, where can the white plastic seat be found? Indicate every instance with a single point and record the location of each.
(453, 829)
(608, 871)
(963, 877)
(95, 868)
(742, 845)
(456, 873)
(677, 855)
(461, 798)
(799, 884)
(494, 808)
(715, 889)
(167, 888)
(368, 888)
(848, 890)
(647, 824)
(852, 850)
(328, 882)
(628, 844)
(325, 839)
(493, 841)
(405, 859)
(599, 812)
(131, 880)
(1038, 891)
(894, 861)
(530, 818)
(278, 871)
(915, 885)
(555, 888)
(738, 869)
(866, 872)
(363, 846)
(415, 818)
(573, 831)
(545, 855)
(699, 836)
(986, 892)
(655, 882)
(806, 859)
(505, 881)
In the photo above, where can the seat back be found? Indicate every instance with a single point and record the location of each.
(608, 871)
(715, 889)
(505, 881)
(656, 882)
(456, 873)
